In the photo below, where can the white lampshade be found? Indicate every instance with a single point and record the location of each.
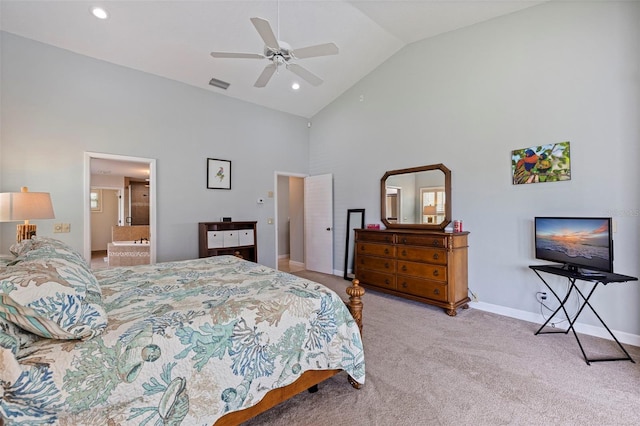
(429, 210)
(18, 206)
(25, 205)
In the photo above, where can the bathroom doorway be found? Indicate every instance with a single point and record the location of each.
(116, 172)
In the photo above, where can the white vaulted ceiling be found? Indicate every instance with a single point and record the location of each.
(173, 39)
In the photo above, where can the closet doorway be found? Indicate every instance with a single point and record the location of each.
(111, 172)
(289, 220)
(304, 222)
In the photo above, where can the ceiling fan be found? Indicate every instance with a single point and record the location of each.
(280, 53)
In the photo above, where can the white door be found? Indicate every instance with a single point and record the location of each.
(318, 223)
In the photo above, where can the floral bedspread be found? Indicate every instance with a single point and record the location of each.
(187, 342)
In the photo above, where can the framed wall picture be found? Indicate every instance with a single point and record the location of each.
(218, 174)
(544, 163)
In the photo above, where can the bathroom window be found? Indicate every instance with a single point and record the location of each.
(95, 199)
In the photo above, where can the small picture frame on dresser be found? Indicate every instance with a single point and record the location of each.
(218, 174)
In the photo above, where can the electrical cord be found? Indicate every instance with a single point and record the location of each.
(541, 297)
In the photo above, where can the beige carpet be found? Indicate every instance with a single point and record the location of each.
(426, 368)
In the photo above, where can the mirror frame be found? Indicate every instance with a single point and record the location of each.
(426, 226)
(350, 249)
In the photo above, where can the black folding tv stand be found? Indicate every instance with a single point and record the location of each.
(603, 278)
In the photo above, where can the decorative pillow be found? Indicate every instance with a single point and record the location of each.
(10, 369)
(50, 291)
(13, 337)
(46, 247)
(52, 251)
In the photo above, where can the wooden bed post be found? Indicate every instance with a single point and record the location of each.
(355, 292)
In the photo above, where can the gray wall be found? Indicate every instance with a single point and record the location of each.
(552, 73)
(556, 72)
(56, 105)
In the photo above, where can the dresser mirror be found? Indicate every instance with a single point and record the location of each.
(416, 198)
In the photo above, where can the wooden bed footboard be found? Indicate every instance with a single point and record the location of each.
(307, 380)
(354, 304)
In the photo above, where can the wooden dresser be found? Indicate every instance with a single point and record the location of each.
(425, 266)
(234, 238)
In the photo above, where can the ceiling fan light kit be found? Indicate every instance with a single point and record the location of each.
(280, 53)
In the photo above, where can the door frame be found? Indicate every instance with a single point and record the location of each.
(277, 174)
(152, 194)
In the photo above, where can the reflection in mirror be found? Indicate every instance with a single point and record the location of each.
(355, 220)
(417, 197)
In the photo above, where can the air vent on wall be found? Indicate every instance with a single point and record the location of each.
(219, 83)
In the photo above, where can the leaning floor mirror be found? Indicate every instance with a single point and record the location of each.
(355, 220)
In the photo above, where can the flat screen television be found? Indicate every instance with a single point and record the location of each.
(582, 244)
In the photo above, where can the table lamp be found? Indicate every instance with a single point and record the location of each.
(25, 205)
(429, 211)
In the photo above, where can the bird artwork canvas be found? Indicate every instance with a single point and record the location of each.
(544, 163)
(218, 174)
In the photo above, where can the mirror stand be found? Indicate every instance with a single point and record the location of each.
(355, 220)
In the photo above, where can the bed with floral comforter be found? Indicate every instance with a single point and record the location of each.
(172, 343)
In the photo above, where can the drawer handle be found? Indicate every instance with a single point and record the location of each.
(404, 268)
(404, 241)
(386, 281)
(436, 291)
(386, 251)
(404, 285)
(435, 256)
(435, 273)
(362, 248)
(435, 243)
(386, 265)
(404, 253)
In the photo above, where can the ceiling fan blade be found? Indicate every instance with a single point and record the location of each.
(266, 75)
(318, 50)
(305, 74)
(264, 29)
(237, 55)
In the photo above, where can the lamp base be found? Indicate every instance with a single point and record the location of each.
(25, 232)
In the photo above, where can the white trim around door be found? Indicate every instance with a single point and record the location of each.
(152, 195)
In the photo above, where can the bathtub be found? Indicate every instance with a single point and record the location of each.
(128, 253)
(130, 243)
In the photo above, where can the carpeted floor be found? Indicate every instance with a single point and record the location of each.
(426, 368)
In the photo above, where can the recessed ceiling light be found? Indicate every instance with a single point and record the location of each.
(99, 13)
(295, 86)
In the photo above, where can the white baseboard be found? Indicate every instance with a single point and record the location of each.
(591, 330)
(297, 264)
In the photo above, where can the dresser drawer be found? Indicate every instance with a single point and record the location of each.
(377, 279)
(380, 237)
(435, 241)
(377, 263)
(423, 270)
(423, 288)
(418, 254)
(369, 249)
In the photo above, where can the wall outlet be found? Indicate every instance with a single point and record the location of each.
(61, 228)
